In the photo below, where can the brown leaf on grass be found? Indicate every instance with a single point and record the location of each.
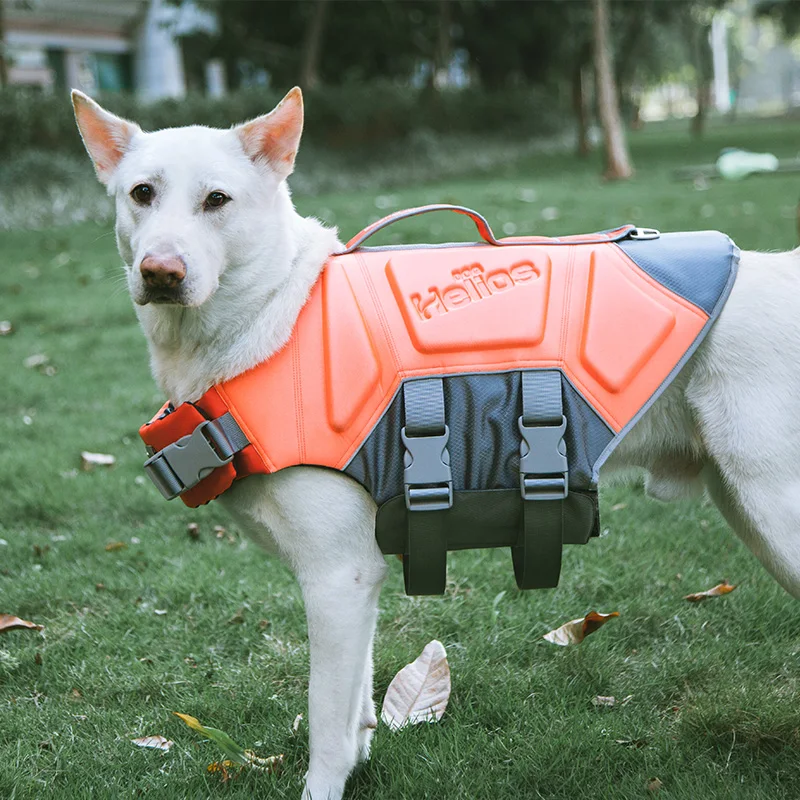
(420, 691)
(91, 460)
(154, 743)
(654, 785)
(6, 328)
(237, 618)
(116, 546)
(11, 623)
(716, 591)
(619, 506)
(576, 630)
(193, 530)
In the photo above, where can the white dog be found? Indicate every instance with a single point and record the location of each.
(219, 265)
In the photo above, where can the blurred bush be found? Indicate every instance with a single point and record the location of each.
(340, 117)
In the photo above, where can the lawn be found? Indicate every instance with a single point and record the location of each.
(212, 628)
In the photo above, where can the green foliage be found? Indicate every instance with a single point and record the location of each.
(339, 116)
(785, 12)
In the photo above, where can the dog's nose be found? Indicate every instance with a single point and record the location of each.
(162, 273)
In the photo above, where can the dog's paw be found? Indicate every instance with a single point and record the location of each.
(364, 736)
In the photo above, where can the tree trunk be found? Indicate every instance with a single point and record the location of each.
(3, 65)
(309, 74)
(703, 101)
(618, 163)
(580, 104)
(443, 45)
(704, 69)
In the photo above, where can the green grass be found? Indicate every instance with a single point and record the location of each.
(714, 706)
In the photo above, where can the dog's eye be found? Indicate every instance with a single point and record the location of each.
(143, 194)
(216, 199)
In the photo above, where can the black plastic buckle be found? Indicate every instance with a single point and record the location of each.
(427, 479)
(543, 465)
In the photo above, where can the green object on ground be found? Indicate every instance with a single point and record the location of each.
(736, 164)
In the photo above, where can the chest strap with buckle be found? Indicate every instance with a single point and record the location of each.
(191, 452)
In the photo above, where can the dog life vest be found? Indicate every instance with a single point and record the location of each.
(473, 389)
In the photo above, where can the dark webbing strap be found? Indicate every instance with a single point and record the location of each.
(537, 556)
(425, 557)
(423, 402)
(541, 397)
(233, 433)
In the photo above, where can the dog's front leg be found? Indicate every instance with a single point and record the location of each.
(323, 524)
(341, 607)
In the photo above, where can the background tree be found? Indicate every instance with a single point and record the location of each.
(309, 76)
(617, 159)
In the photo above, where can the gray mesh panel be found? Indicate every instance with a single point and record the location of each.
(695, 266)
(481, 411)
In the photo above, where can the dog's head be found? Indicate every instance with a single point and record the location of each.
(194, 202)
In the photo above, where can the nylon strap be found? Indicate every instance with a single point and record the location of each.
(425, 559)
(541, 397)
(423, 402)
(233, 433)
(425, 556)
(537, 556)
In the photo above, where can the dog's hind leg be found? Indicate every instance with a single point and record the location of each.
(766, 518)
(745, 393)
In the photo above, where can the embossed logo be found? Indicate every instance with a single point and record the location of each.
(472, 284)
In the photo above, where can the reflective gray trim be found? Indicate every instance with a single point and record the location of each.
(713, 316)
(695, 265)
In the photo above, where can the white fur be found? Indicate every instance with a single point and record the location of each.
(727, 423)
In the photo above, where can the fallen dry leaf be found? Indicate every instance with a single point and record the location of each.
(154, 743)
(420, 691)
(237, 618)
(635, 743)
(116, 546)
(193, 530)
(717, 591)
(237, 756)
(91, 460)
(576, 630)
(37, 360)
(619, 506)
(654, 785)
(602, 701)
(11, 623)
(296, 724)
(6, 328)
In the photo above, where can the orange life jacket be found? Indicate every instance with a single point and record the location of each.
(457, 337)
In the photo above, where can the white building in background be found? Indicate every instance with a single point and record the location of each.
(104, 45)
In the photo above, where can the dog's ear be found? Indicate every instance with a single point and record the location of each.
(275, 137)
(105, 136)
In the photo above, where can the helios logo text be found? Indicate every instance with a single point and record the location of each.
(472, 284)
